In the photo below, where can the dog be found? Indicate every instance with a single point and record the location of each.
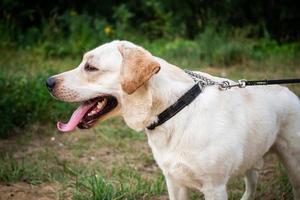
(219, 135)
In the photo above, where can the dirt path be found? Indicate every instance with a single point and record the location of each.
(25, 191)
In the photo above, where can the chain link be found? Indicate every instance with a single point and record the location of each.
(199, 78)
(224, 85)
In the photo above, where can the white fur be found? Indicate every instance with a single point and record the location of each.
(221, 134)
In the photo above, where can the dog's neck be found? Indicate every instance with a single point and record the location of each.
(162, 90)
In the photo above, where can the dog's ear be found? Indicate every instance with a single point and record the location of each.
(138, 66)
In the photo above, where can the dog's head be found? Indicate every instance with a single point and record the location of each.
(104, 76)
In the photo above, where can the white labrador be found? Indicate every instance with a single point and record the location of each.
(221, 134)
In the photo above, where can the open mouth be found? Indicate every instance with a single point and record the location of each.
(88, 113)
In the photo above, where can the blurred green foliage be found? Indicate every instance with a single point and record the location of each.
(26, 101)
(152, 18)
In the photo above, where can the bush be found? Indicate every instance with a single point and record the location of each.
(72, 34)
(25, 101)
(163, 18)
(222, 47)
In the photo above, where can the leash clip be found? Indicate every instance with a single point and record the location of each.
(242, 83)
(225, 85)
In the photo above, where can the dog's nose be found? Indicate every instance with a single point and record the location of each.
(50, 83)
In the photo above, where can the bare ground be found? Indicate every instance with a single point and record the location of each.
(25, 191)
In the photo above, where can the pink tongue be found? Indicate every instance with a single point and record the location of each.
(75, 118)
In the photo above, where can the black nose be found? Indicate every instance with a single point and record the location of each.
(50, 83)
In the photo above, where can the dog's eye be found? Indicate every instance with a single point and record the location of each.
(90, 68)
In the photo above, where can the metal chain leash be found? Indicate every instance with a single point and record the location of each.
(224, 85)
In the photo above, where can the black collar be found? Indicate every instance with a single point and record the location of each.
(181, 103)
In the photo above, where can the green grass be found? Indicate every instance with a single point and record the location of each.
(123, 184)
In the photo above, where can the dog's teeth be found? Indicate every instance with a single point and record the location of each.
(99, 105)
(91, 113)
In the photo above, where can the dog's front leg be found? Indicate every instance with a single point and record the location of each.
(175, 191)
(251, 178)
(215, 192)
